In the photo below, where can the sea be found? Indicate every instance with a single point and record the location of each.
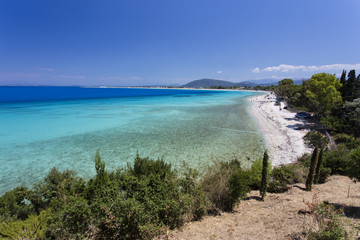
(63, 127)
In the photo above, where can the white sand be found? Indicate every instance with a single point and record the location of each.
(283, 140)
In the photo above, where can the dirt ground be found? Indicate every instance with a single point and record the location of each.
(277, 217)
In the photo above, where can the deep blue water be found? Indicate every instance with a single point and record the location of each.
(45, 127)
(26, 94)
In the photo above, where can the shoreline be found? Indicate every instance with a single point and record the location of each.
(282, 131)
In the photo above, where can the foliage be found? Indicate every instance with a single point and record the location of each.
(349, 141)
(56, 187)
(353, 165)
(316, 139)
(33, 227)
(101, 174)
(71, 221)
(310, 178)
(337, 159)
(318, 166)
(352, 110)
(254, 173)
(283, 175)
(225, 183)
(264, 175)
(323, 93)
(285, 89)
(198, 203)
(145, 167)
(329, 224)
(351, 87)
(14, 204)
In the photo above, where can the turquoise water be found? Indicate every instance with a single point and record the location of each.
(194, 127)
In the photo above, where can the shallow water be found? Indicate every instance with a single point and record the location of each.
(195, 127)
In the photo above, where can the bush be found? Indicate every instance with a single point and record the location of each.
(72, 221)
(254, 174)
(33, 227)
(349, 141)
(285, 174)
(329, 223)
(196, 199)
(337, 159)
(225, 183)
(14, 204)
(354, 164)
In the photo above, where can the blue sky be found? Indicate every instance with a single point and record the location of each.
(145, 42)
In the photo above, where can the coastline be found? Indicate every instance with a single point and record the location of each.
(283, 133)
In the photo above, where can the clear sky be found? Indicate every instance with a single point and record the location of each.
(145, 42)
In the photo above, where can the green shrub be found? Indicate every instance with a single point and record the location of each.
(57, 185)
(146, 167)
(33, 227)
(197, 201)
(254, 174)
(354, 164)
(225, 183)
(337, 159)
(349, 141)
(324, 174)
(238, 188)
(127, 218)
(14, 204)
(283, 175)
(329, 224)
(72, 221)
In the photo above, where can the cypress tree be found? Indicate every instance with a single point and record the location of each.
(310, 178)
(101, 174)
(357, 87)
(318, 166)
(343, 82)
(264, 175)
(350, 87)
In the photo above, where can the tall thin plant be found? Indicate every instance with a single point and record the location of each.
(264, 175)
(310, 178)
(318, 166)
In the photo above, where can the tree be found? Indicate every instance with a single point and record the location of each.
(264, 175)
(349, 88)
(318, 141)
(285, 89)
(323, 93)
(315, 140)
(353, 111)
(318, 166)
(343, 78)
(310, 178)
(101, 175)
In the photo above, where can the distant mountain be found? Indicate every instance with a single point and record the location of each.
(206, 83)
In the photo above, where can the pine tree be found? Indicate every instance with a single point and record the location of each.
(264, 175)
(310, 178)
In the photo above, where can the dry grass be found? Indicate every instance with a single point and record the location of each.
(275, 218)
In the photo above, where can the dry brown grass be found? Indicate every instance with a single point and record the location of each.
(275, 218)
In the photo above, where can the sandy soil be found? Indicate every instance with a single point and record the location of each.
(283, 132)
(277, 217)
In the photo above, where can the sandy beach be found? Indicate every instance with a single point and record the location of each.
(283, 132)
